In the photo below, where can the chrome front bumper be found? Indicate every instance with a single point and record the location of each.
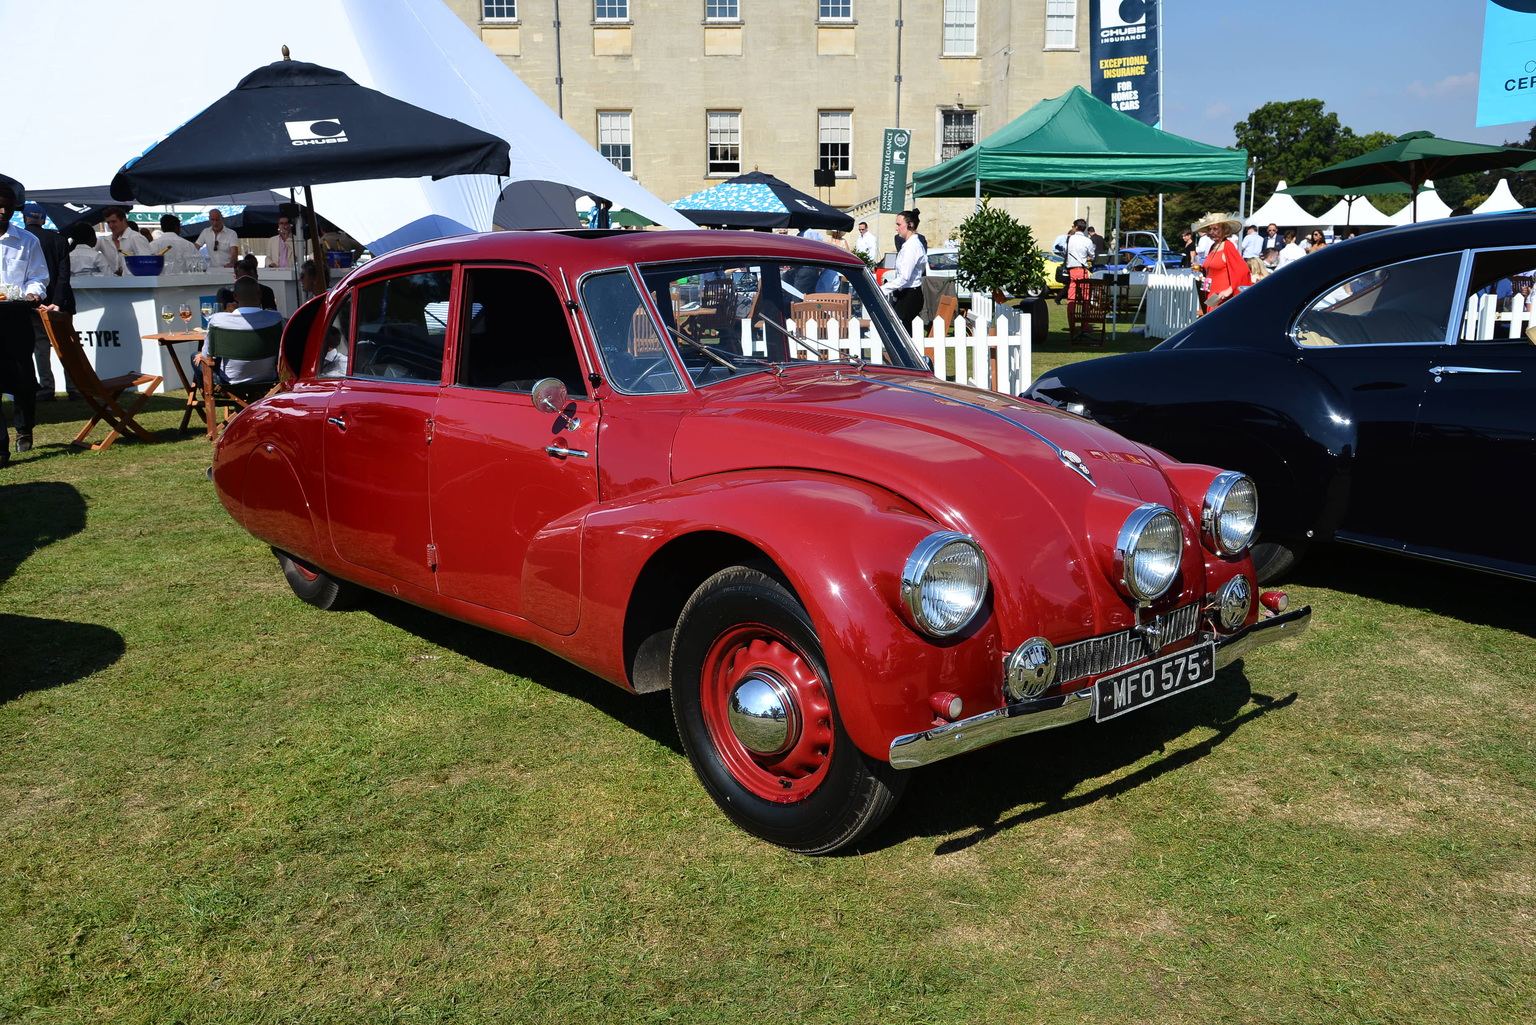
(916, 749)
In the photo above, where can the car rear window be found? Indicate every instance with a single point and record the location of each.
(1401, 303)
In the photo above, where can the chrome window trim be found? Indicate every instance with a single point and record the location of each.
(1452, 327)
(650, 309)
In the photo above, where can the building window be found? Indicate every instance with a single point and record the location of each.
(959, 28)
(1061, 24)
(724, 142)
(834, 138)
(722, 10)
(957, 132)
(614, 140)
(610, 10)
(834, 10)
(490, 11)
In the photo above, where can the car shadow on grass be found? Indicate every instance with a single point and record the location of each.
(1454, 592)
(39, 654)
(972, 797)
(648, 714)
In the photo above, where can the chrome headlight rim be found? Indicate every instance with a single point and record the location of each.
(913, 579)
(1213, 510)
(1127, 549)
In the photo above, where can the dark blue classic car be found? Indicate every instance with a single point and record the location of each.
(1381, 392)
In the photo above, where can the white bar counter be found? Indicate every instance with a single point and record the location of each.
(113, 314)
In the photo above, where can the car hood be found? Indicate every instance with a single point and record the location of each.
(1017, 476)
(912, 434)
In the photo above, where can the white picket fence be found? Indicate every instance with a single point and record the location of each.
(999, 361)
(1485, 323)
(1173, 302)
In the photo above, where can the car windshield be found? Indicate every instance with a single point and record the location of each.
(721, 319)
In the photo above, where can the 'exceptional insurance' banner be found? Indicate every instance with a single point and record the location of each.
(1123, 54)
(1507, 87)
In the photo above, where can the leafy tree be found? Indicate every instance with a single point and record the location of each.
(1291, 139)
(998, 254)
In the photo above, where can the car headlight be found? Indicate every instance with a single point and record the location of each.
(1147, 552)
(944, 583)
(1230, 513)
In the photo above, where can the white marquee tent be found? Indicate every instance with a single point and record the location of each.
(1283, 211)
(1501, 199)
(1361, 213)
(1431, 207)
(77, 122)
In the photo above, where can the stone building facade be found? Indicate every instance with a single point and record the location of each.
(683, 94)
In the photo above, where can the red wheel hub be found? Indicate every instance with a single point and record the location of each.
(748, 655)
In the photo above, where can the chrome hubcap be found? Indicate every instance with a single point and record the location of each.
(762, 714)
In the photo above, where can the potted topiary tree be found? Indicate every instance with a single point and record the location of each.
(998, 255)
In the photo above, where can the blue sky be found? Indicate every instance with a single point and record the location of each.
(1380, 66)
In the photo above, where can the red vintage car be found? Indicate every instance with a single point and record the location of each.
(638, 451)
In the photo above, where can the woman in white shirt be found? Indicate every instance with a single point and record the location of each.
(84, 257)
(905, 283)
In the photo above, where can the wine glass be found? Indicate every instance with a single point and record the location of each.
(185, 313)
(207, 308)
(165, 314)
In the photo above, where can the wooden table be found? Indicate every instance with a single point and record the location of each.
(168, 340)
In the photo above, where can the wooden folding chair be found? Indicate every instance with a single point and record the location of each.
(102, 396)
(225, 343)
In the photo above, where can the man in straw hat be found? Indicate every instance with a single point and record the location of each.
(1225, 271)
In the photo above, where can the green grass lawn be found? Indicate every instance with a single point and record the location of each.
(221, 805)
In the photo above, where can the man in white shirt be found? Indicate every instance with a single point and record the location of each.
(1079, 263)
(283, 248)
(1292, 250)
(181, 256)
(223, 244)
(866, 244)
(1253, 243)
(122, 239)
(248, 318)
(23, 267)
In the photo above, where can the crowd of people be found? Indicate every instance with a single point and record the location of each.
(38, 264)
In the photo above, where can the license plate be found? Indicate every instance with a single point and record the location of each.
(1130, 689)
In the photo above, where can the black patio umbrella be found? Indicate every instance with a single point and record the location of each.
(292, 123)
(758, 200)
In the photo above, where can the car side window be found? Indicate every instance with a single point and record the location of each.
(515, 333)
(338, 342)
(628, 340)
(402, 323)
(1405, 302)
(1500, 304)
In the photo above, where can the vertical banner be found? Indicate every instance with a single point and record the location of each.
(1506, 89)
(893, 170)
(1123, 55)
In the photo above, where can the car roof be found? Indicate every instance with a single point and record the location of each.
(599, 248)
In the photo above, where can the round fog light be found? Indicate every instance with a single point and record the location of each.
(1233, 603)
(1031, 669)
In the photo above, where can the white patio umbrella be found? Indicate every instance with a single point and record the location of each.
(1355, 212)
(1501, 199)
(1431, 207)
(1284, 211)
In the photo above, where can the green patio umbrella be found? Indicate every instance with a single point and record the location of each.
(1411, 161)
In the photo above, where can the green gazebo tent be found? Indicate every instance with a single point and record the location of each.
(1075, 145)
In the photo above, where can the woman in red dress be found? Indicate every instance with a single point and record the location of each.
(1224, 266)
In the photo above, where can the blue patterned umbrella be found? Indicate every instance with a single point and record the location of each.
(758, 200)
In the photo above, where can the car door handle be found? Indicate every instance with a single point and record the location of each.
(562, 451)
(339, 421)
(1437, 371)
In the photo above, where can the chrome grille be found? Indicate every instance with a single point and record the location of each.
(1099, 655)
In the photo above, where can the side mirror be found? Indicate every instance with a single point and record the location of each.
(550, 395)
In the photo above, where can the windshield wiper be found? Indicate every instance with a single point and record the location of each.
(712, 354)
(835, 355)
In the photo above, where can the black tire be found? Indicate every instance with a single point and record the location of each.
(1275, 557)
(320, 589)
(819, 792)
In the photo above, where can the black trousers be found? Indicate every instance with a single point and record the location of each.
(908, 303)
(16, 375)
